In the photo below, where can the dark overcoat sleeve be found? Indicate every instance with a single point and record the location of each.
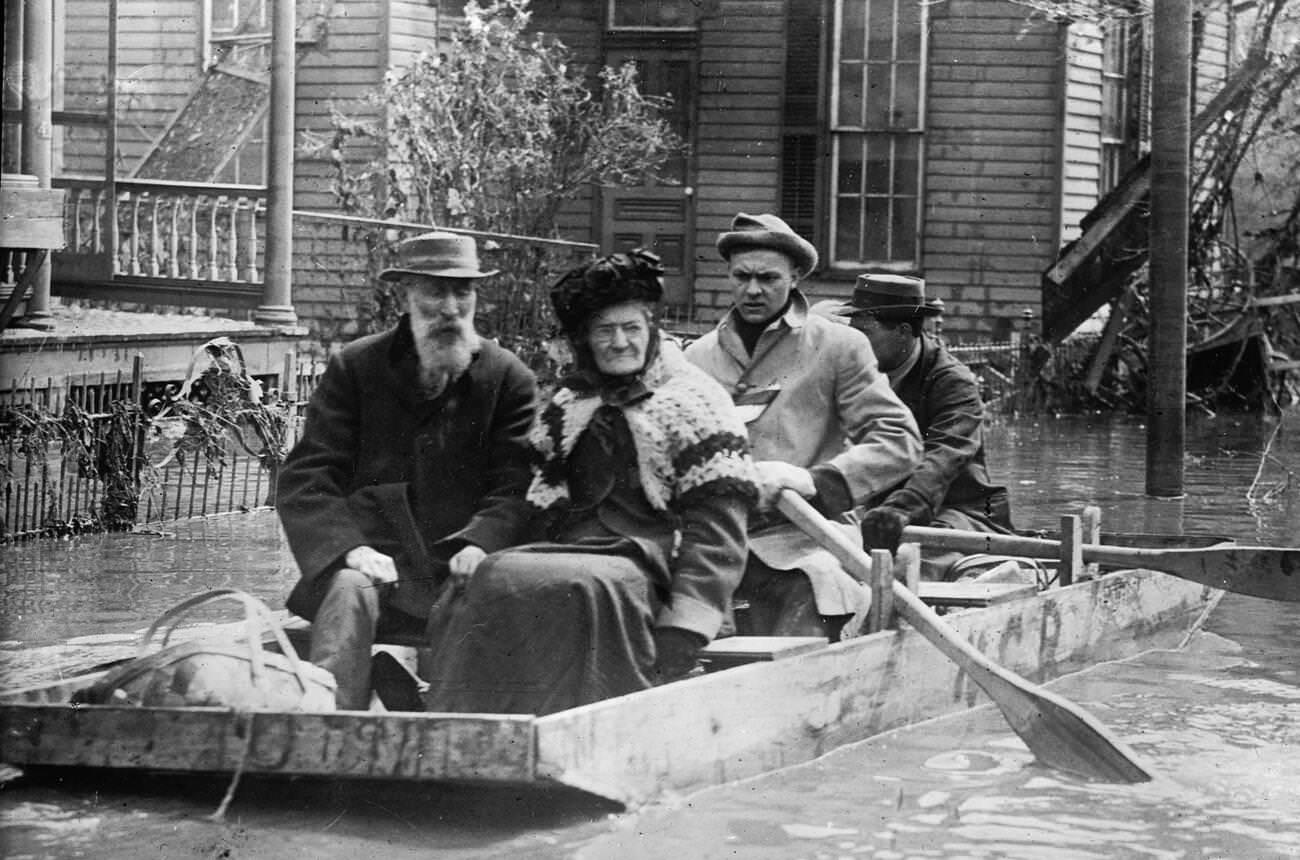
(951, 435)
(321, 472)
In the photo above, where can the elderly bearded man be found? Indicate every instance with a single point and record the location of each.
(822, 421)
(411, 461)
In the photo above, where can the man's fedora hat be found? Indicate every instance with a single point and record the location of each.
(889, 296)
(440, 254)
(767, 231)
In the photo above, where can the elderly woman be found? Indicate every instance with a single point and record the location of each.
(642, 484)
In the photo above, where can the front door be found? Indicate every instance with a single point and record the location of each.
(660, 216)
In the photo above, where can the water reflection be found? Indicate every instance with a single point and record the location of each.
(1053, 466)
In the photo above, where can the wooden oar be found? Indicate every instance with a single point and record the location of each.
(1058, 732)
(1259, 571)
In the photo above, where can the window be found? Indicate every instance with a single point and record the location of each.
(876, 121)
(238, 33)
(1121, 106)
(653, 14)
(852, 133)
(238, 38)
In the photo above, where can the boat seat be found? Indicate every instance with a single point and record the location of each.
(718, 654)
(963, 595)
(739, 650)
(298, 630)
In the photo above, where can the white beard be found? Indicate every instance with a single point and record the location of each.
(444, 357)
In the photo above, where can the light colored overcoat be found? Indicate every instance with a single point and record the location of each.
(831, 407)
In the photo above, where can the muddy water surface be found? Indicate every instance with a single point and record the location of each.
(1219, 720)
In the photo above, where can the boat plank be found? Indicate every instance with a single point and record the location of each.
(752, 719)
(341, 744)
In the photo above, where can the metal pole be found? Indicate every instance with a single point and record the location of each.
(277, 296)
(1170, 150)
(38, 131)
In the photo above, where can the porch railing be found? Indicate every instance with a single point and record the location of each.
(190, 239)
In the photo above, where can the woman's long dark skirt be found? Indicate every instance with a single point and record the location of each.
(543, 628)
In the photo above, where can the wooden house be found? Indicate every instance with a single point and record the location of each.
(962, 141)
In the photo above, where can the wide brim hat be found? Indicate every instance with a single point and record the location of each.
(439, 254)
(889, 296)
(581, 292)
(769, 232)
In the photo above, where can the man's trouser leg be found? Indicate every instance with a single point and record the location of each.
(781, 603)
(342, 634)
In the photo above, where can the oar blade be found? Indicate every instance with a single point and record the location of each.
(1259, 571)
(1058, 732)
(1067, 738)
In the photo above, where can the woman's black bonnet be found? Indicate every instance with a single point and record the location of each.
(602, 283)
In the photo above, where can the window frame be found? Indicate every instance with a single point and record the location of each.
(684, 29)
(838, 133)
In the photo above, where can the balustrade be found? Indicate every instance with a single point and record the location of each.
(164, 231)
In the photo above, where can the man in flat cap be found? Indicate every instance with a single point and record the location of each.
(822, 421)
(951, 487)
(412, 459)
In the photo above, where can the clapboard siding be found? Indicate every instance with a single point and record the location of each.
(992, 137)
(412, 30)
(83, 57)
(742, 50)
(330, 270)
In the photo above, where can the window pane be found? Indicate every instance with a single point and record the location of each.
(653, 13)
(223, 15)
(850, 107)
(878, 166)
(878, 96)
(1112, 110)
(847, 212)
(880, 45)
(907, 96)
(853, 24)
(907, 166)
(849, 172)
(904, 229)
(876, 240)
(910, 27)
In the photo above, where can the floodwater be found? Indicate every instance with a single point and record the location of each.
(1219, 720)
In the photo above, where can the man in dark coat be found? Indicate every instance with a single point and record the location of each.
(951, 486)
(411, 460)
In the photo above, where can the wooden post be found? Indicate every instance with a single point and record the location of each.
(882, 590)
(1119, 311)
(1170, 146)
(1091, 522)
(1070, 566)
(38, 132)
(907, 566)
(289, 378)
(277, 278)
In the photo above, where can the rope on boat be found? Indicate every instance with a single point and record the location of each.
(245, 722)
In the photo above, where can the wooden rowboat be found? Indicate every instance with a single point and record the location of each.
(807, 698)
